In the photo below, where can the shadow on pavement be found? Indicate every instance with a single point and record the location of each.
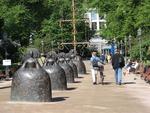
(57, 99)
(128, 83)
(107, 83)
(80, 77)
(77, 82)
(72, 88)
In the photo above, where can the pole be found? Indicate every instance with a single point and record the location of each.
(130, 44)
(139, 32)
(6, 67)
(121, 47)
(140, 48)
(125, 53)
(74, 25)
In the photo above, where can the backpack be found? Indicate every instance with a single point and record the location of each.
(121, 62)
(95, 63)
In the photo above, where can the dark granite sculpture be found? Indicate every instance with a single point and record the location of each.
(31, 83)
(74, 67)
(57, 75)
(77, 60)
(68, 70)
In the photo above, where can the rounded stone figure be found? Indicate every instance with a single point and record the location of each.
(31, 83)
(80, 65)
(68, 70)
(74, 67)
(57, 75)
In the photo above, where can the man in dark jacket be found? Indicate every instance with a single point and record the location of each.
(117, 64)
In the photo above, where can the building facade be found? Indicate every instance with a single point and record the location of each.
(95, 20)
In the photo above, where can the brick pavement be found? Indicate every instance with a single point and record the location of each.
(84, 97)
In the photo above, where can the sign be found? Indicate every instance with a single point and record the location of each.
(7, 62)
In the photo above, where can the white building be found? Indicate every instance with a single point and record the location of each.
(96, 21)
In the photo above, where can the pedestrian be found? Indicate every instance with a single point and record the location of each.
(97, 68)
(102, 57)
(118, 63)
(127, 67)
(42, 59)
(109, 58)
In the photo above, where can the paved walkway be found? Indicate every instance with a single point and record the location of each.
(84, 97)
(5, 84)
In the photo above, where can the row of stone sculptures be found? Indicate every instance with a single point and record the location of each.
(35, 83)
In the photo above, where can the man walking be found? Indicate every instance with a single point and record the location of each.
(117, 64)
(96, 68)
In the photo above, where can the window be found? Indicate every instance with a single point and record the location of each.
(94, 25)
(93, 15)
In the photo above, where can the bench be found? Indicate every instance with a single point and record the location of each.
(140, 69)
(136, 70)
(12, 70)
(2, 75)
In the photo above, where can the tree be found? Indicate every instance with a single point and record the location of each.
(124, 17)
(40, 18)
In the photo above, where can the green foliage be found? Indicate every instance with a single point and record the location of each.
(123, 18)
(42, 17)
(145, 48)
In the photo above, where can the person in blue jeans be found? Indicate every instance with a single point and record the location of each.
(118, 63)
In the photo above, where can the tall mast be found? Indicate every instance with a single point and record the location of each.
(74, 25)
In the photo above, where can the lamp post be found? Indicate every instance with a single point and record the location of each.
(121, 47)
(6, 61)
(129, 37)
(125, 52)
(139, 32)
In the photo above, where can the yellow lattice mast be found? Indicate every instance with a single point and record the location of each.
(74, 32)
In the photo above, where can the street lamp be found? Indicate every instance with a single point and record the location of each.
(130, 41)
(6, 61)
(125, 41)
(139, 33)
(129, 38)
(121, 43)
